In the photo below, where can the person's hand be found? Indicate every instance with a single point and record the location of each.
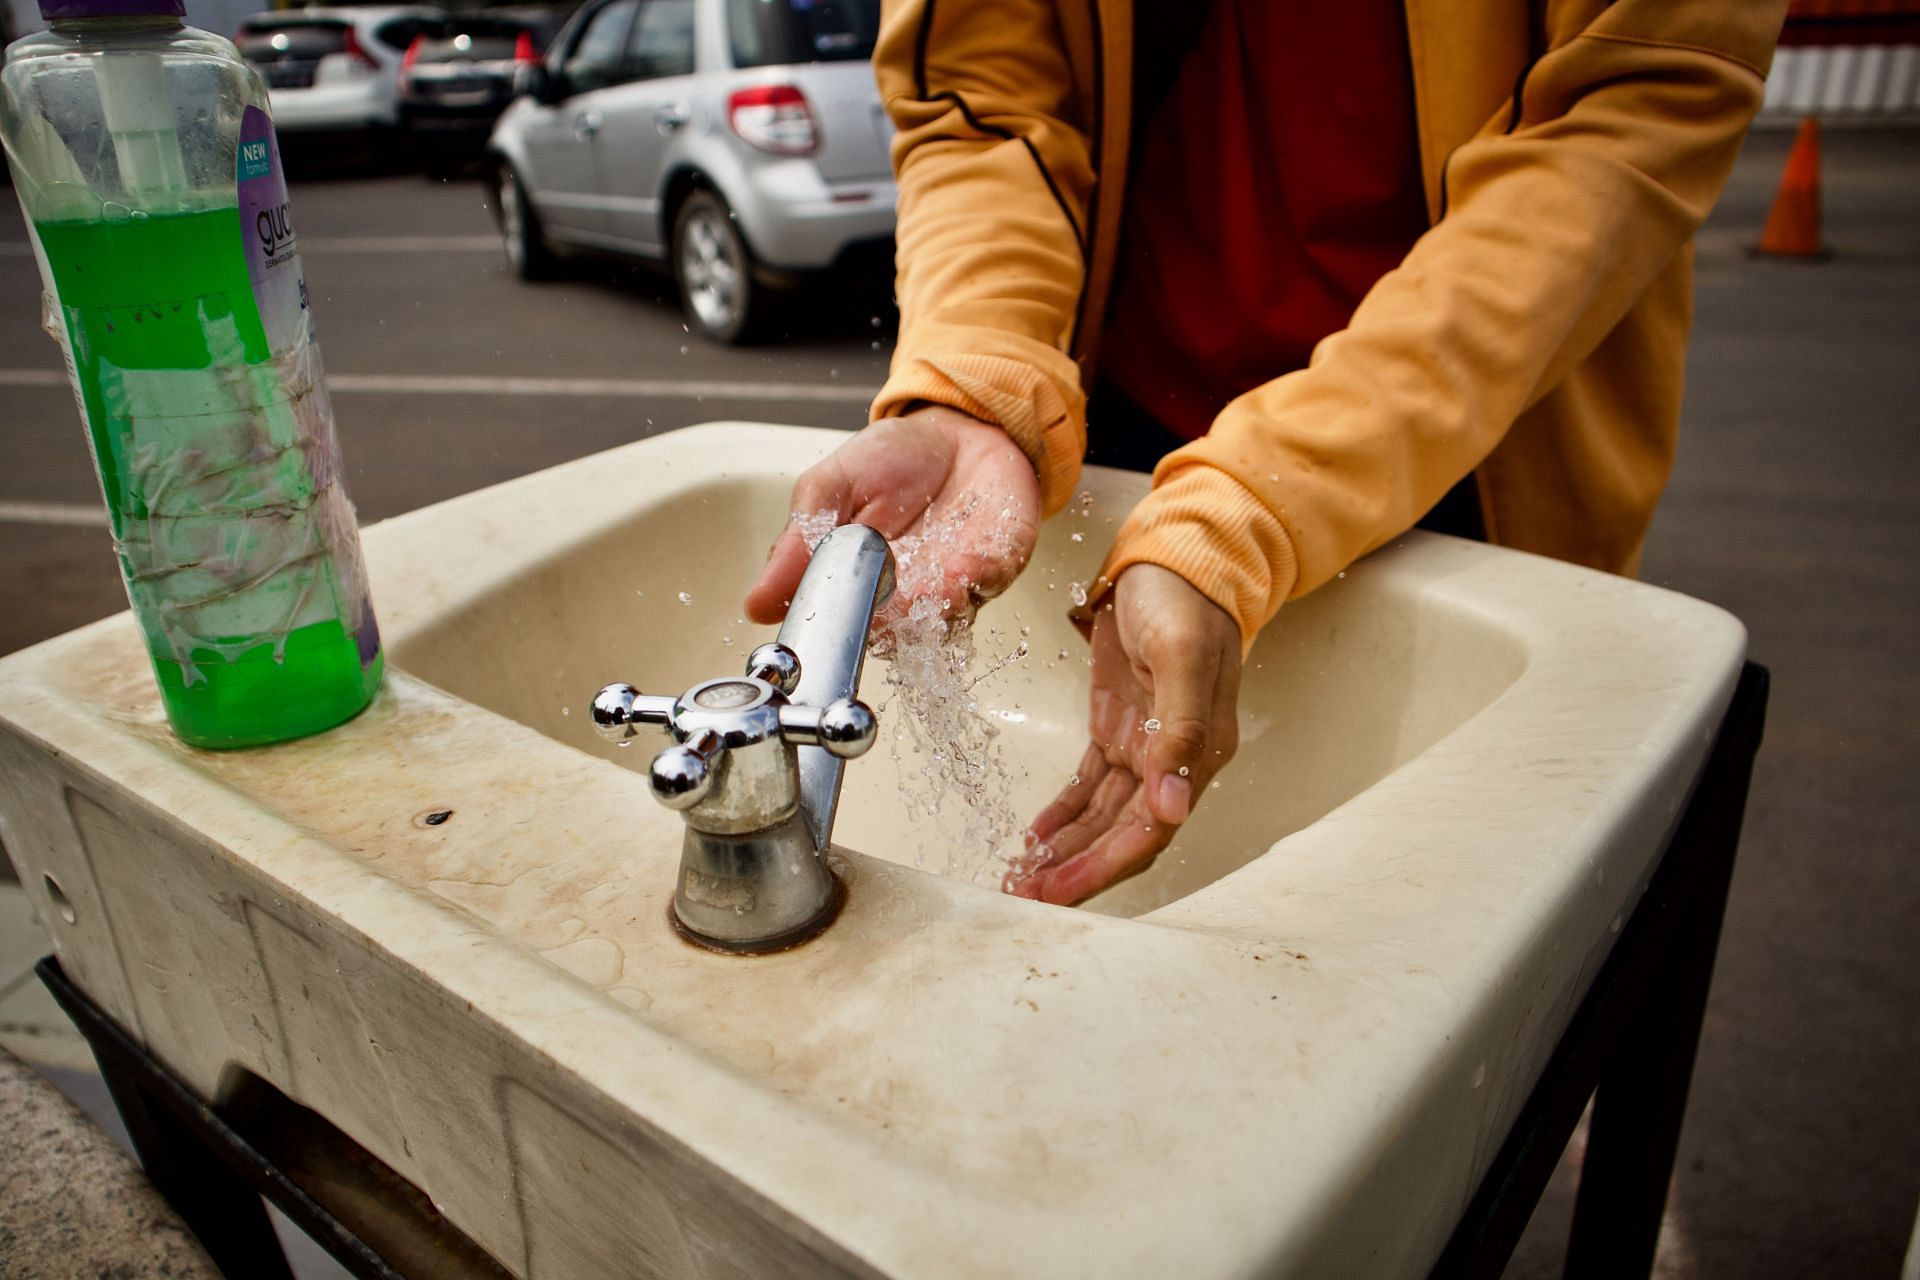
(933, 469)
(1166, 681)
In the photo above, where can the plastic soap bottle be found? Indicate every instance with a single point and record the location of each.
(145, 159)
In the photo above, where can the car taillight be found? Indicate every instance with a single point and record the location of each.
(413, 51)
(354, 49)
(523, 50)
(774, 118)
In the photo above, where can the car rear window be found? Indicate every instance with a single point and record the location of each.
(771, 32)
(488, 42)
(291, 41)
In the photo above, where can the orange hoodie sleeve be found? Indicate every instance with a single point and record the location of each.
(995, 174)
(1559, 214)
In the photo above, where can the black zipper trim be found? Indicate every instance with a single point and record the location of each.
(1536, 48)
(1100, 179)
(920, 51)
(921, 41)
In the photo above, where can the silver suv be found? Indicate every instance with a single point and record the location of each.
(741, 142)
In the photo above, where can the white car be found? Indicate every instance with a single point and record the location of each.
(740, 142)
(333, 71)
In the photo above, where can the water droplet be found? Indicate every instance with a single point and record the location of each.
(1079, 537)
(686, 597)
(1074, 781)
(727, 640)
(1061, 656)
(1151, 726)
(1214, 785)
(566, 711)
(1183, 771)
(1079, 594)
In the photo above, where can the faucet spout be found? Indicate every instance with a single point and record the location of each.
(849, 578)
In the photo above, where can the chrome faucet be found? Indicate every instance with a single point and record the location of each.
(756, 763)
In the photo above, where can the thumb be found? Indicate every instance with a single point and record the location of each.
(1179, 746)
(825, 486)
(767, 599)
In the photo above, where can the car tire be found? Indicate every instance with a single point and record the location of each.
(714, 269)
(529, 256)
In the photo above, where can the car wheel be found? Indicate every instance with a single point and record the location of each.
(528, 254)
(715, 270)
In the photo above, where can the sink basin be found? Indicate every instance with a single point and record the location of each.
(1299, 1037)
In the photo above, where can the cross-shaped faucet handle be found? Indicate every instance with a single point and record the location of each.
(746, 719)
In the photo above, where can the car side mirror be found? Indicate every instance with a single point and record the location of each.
(534, 80)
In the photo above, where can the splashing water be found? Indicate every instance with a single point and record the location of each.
(952, 770)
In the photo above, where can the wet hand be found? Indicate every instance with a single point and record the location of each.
(931, 469)
(1166, 681)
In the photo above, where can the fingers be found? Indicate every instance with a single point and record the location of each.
(1108, 800)
(1127, 847)
(1073, 798)
(825, 486)
(767, 599)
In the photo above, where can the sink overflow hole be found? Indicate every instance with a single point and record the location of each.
(60, 900)
(432, 817)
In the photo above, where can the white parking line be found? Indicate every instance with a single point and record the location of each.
(662, 388)
(85, 515)
(405, 384)
(400, 244)
(345, 244)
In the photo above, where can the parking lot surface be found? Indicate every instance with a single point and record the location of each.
(1796, 505)
(447, 374)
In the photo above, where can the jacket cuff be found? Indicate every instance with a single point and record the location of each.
(1211, 530)
(1018, 398)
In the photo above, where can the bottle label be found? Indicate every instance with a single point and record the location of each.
(273, 252)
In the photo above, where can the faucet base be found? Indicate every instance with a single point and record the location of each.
(836, 899)
(761, 891)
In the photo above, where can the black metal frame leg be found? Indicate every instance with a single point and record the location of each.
(217, 1204)
(1641, 1096)
(1630, 1046)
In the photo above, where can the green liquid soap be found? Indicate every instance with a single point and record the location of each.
(236, 540)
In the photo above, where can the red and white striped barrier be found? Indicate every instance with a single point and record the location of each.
(1847, 60)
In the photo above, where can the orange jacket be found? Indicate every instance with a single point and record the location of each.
(1533, 337)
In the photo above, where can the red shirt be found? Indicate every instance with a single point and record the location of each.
(1278, 181)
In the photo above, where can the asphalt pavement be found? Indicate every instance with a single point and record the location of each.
(1796, 504)
(447, 373)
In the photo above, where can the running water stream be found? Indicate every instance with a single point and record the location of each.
(953, 775)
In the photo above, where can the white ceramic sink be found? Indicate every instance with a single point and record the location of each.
(1290, 1048)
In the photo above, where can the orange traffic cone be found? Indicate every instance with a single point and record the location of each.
(1793, 227)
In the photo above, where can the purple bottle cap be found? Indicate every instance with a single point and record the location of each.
(56, 10)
